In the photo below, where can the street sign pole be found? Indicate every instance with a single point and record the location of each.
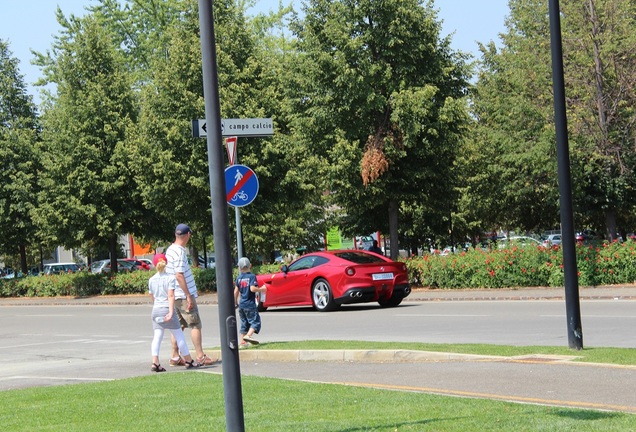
(233, 397)
(237, 218)
(231, 144)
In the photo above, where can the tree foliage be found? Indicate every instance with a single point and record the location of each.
(20, 161)
(513, 170)
(88, 196)
(515, 125)
(381, 97)
(376, 125)
(600, 64)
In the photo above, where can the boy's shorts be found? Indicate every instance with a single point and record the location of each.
(187, 318)
(249, 318)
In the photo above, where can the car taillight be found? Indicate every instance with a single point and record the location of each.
(350, 271)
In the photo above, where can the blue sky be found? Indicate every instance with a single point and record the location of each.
(30, 24)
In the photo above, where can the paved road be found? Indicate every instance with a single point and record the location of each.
(61, 341)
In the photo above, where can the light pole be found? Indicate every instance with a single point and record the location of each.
(571, 280)
(227, 316)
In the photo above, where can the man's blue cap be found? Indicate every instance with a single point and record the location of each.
(182, 229)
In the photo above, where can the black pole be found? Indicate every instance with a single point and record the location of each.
(225, 289)
(573, 310)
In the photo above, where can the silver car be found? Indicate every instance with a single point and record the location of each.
(552, 239)
(103, 266)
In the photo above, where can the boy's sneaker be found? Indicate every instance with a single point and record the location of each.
(243, 345)
(250, 339)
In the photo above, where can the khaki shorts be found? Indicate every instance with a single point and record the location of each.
(188, 319)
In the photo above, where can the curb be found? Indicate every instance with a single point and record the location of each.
(403, 356)
(363, 356)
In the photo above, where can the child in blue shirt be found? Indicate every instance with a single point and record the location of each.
(245, 289)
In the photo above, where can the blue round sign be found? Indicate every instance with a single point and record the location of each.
(241, 185)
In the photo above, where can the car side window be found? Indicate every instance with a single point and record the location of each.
(307, 263)
(302, 264)
(319, 261)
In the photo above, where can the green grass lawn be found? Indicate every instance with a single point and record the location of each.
(193, 401)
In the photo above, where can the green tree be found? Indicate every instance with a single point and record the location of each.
(513, 106)
(171, 166)
(88, 196)
(600, 72)
(18, 178)
(511, 177)
(140, 27)
(382, 98)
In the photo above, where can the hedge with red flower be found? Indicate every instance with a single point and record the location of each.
(604, 264)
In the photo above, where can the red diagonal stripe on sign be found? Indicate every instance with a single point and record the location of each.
(239, 185)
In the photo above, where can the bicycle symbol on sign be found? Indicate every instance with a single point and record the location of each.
(240, 195)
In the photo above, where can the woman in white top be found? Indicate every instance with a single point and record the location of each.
(161, 287)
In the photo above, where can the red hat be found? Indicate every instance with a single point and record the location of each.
(158, 257)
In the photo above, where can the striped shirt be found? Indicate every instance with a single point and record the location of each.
(178, 263)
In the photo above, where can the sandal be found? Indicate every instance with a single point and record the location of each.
(157, 368)
(179, 362)
(250, 339)
(192, 365)
(205, 360)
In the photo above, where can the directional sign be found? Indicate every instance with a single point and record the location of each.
(241, 185)
(254, 127)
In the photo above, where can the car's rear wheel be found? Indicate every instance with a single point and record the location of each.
(392, 301)
(322, 296)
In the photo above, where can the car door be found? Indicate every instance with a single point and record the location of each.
(293, 286)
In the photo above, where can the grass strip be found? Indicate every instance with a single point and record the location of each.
(193, 401)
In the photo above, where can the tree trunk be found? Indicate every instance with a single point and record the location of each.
(112, 248)
(195, 254)
(393, 229)
(23, 260)
(610, 224)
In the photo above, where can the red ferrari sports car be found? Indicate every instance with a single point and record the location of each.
(329, 279)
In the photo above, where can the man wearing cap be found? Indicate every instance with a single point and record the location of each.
(185, 295)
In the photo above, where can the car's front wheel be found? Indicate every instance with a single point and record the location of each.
(322, 296)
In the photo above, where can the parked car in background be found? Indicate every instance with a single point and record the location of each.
(103, 266)
(11, 274)
(585, 236)
(138, 264)
(552, 240)
(57, 268)
(149, 262)
(518, 241)
(328, 279)
(211, 261)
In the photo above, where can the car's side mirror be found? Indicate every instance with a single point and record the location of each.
(284, 268)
